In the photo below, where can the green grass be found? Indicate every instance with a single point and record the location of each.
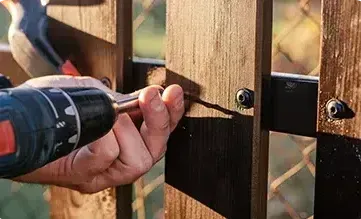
(148, 44)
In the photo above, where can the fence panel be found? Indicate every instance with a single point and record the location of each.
(216, 163)
(338, 172)
(295, 49)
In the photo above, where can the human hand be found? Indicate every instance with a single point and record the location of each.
(125, 153)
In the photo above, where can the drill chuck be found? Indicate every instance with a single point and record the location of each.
(38, 126)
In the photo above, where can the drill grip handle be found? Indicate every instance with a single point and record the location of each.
(38, 126)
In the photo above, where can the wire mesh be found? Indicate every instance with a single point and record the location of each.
(296, 43)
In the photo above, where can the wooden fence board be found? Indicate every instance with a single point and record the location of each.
(96, 35)
(338, 172)
(10, 68)
(217, 159)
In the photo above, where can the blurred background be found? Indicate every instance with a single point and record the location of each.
(296, 43)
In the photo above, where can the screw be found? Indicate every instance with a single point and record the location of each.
(106, 81)
(335, 109)
(244, 98)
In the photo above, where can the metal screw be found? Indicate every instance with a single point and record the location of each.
(106, 81)
(335, 109)
(244, 98)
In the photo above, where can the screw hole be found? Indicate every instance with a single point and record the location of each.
(333, 110)
(241, 98)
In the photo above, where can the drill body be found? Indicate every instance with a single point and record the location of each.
(38, 126)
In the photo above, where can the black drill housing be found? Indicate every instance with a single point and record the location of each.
(50, 123)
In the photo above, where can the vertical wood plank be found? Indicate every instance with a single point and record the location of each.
(338, 172)
(96, 35)
(216, 163)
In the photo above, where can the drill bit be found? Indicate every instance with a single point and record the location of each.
(129, 102)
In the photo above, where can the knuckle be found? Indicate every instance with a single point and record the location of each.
(142, 167)
(164, 126)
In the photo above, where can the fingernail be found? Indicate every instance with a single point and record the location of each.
(179, 102)
(156, 102)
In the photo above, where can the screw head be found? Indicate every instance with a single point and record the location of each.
(244, 98)
(335, 109)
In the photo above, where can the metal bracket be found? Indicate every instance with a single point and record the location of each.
(294, 104)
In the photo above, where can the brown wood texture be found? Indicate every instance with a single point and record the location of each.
(217, 158)
(65, 203)
(338, 172)
(96, 35)
(10, 68)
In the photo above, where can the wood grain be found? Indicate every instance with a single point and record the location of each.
(72, 204)
(218, 155)
(186, 206)
(10, 68)
(96, 35)
(338, 172)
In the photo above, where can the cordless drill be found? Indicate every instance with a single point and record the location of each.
(38, 126)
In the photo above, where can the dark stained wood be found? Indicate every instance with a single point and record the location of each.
(338, 172)
(124, 202)
(124, 84)
(124, 25)
(216, 163)
(96, 35)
